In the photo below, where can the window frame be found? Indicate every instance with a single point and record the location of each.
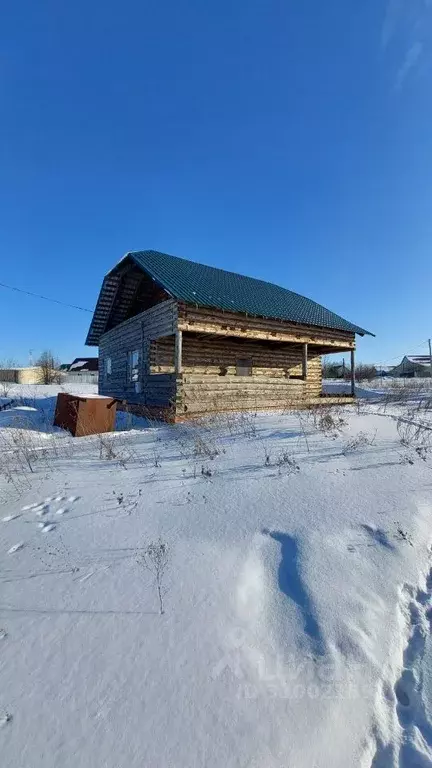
(133, 366)
(244, 366)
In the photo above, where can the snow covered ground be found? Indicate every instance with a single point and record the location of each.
(297, 595)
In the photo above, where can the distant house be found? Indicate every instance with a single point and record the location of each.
(84, 365)
(384, 370)
(83, 370)
(334, 371)
(29, 375)
(413, 366)
(189, 339)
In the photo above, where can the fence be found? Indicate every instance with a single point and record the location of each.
(86, 377)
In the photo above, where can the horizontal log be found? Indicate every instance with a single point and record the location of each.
(274, 375)
(237, 381)
(228, 322)
(202, 411)
(215, 347)
(248, 333)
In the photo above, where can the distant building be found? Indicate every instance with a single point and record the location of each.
(83, 370)
(29, 375)
(413, 366)
(84, 365)
(334, 371)
(384, 370)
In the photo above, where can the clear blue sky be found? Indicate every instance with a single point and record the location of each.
(287, 140)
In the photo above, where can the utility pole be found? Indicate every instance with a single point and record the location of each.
(430, 357)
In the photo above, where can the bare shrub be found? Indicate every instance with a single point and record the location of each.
(415, 433)
(8, 363)
(129, 502)
(106, 447)
(155, 559)
(403, 535)
(411, 431)
(49, 364)
(406, 393)
(267, 455)
(247, 423)
(54, 554)
(22, 450)
(200, 441)
(286, 463)
(156, 458)
(364, 372)
(358, 442)
(329, 421)
(205, 446)
(235, 422)
(5, 388)
(114, 448)
(302, 424)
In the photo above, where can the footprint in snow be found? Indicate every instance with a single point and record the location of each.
(3, 634)
(46, 527)
(8, 518)
(402, 695)
(5, 719)
(61, 511)
(71, 499)
(40, 511)
(15, 548)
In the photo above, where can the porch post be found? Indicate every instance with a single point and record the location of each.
(352, 373)
(305, 361)
(178, 352)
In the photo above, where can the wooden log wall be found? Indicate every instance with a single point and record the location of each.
(137, 333)
(207, 320)
(209, 380)
(190, 405)
(218, 355)
(201, 394)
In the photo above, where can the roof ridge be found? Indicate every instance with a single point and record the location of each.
(227, 272)
(204, 285)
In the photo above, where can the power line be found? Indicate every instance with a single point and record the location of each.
(45, 298)
(410, 346)
(84, 309)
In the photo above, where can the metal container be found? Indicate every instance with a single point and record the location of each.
(85, 414)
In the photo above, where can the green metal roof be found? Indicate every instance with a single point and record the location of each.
(204, 286)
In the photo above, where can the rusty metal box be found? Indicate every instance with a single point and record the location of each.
(85, 414)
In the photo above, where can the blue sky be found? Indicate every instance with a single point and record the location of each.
(287, 140)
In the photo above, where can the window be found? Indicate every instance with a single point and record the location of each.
(133, 365)
(244, 368)
(107, 367)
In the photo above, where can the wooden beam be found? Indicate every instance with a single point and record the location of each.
(262, 334)
(305, 361)
(352, 373)
(178, 352)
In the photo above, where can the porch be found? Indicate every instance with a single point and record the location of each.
(220, 372)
